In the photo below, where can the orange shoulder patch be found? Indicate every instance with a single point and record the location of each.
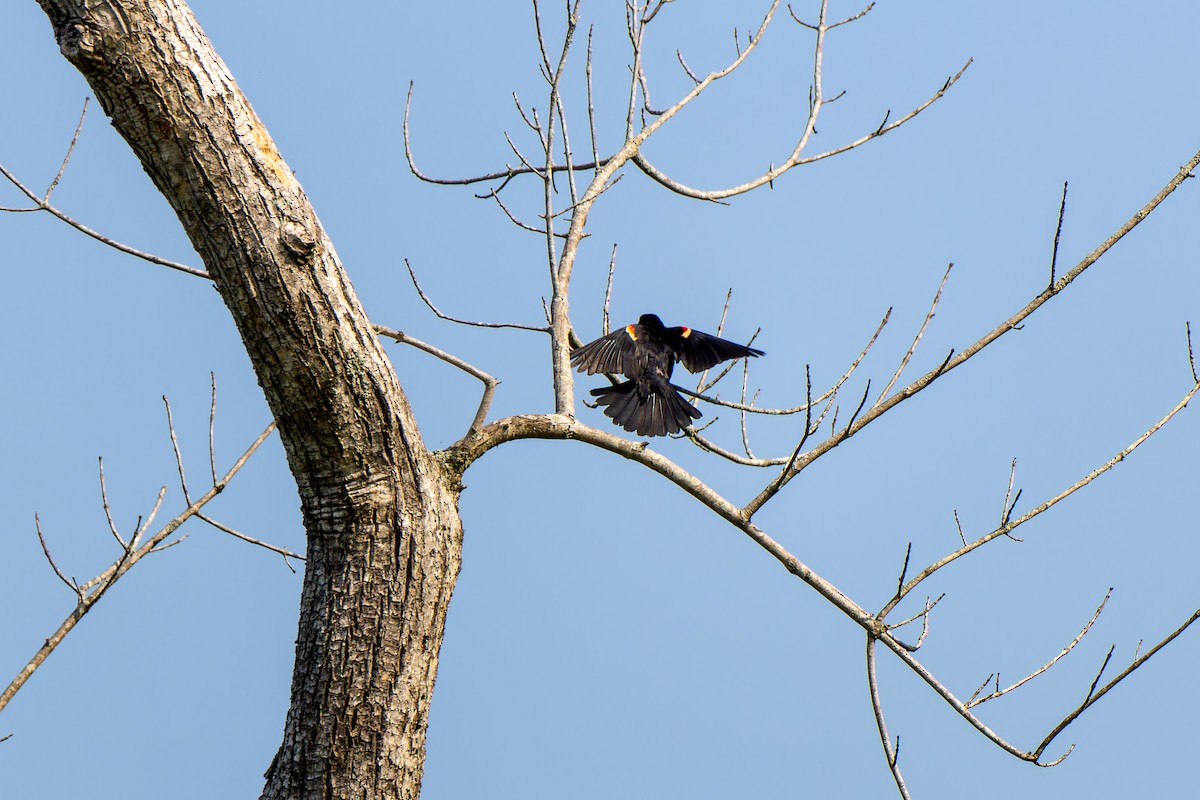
(631, 330)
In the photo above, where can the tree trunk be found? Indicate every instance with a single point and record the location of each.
(384, 536)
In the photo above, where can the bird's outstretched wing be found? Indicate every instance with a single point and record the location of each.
(698, 351)
(612, 353)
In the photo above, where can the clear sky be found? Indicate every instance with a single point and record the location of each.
(609, 637)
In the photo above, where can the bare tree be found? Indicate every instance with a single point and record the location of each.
(380, 508)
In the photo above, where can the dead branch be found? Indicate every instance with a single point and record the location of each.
(891, 754)
(43, 204)
(504, 175)
(917, 339)
(90, 593)
(957, 359)
(817, 101)
(438, 313)
(1094, 695)
(70, 149)
(178, 456)
(282, 551)
(1062, 211)
(1008, 526)
(975, 700)
(489, 383)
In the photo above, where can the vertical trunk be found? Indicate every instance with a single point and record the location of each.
(384, 537)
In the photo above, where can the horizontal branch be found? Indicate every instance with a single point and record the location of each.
(504, 175)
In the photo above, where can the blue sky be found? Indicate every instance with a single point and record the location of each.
(608, 636)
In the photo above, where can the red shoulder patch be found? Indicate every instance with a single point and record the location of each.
(686, 331)
(631, 330)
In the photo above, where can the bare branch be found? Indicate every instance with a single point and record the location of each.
(1191, 358)
(958, 524)
(91, 592)
(112, 526)
(745, 433)
(489, 383)
(44, 205)
(955, 360)
(922, 615)
(1009, 526)
(891, 754)
(505, 175)
(70, 584)
(70, 150)
(612, 267)
(1062, 211)
(917, 339)
(533, 125)
(830, 27)
(975, 701)
(541, 41)
(143, 527)
(795, 158)
(178, 457)
(1007, 509)
(212, 424)
(687, 70)
(1094, 695)
(429, 303)
(525, 226)
(283, 551)
(591, 104)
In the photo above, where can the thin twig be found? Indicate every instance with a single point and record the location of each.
(112, 526)
(506, 174)
(42, 205)
(1062, 211)
(1071, 646)
(612, 268)
(917, 339)
(958, 524)
(489, 382)
(1191, 358)
(891, 755)
(448, 318)
(212, 424)
(922, 614)
(178, 456)
(70, 584)
(70, 150)
(283, 551)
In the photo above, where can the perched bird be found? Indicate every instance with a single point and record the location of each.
(646, 353)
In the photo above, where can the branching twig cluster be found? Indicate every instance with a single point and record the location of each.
(140, 542)
(642, 119)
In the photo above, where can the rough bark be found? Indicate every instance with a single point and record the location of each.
(384, 536)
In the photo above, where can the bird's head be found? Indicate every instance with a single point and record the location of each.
(650, 321)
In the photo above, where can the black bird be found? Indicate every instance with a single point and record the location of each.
(646, 354)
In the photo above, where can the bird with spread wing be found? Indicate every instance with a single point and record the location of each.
(645, 353)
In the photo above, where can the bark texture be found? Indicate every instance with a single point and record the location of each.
(384, 536)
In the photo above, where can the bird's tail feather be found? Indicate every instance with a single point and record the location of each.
(657, 412)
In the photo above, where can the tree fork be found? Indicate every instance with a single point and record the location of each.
(384, 534)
